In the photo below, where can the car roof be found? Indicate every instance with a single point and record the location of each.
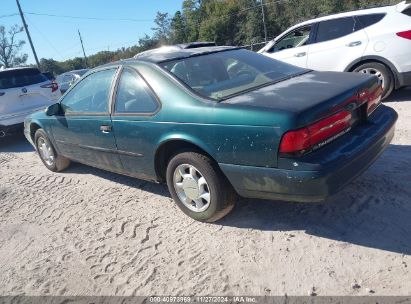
(180, 51)
(74, 72)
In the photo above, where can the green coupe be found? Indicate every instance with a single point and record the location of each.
(216, 123)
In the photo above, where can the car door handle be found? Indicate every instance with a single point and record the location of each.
(300, 54)
(105, 129)
(355, 43)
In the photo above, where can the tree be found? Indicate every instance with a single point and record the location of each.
(191, 14)
(146, 43)
(178, 29)
(162, 31)
(50, 65)
(10, 47)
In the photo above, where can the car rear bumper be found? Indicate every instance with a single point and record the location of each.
(11, 130)
(322, 173)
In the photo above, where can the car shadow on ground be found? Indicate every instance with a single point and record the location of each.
(373, 211)
(159, 189)
(403, 94)
(17, 144)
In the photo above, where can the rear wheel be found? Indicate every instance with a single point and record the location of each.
(199, 188)
(48, 154)
(382, 72)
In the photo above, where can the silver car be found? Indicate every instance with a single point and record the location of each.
(66, 80)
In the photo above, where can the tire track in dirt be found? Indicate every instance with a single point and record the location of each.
(86, 231)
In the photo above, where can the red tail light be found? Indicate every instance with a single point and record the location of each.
(406, 35)
(53, 86)
(315, 135)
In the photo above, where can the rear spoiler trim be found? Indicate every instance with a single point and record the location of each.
(402, 6)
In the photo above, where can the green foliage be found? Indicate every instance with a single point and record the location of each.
(162, 29)
(226, 22)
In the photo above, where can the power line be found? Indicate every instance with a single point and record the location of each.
(89, 18)
(9, 15)
(44, 37)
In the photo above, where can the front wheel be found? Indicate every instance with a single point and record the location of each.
(382, 72)
(48, 155)
(199, 188)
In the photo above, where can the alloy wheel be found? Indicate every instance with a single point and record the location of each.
(45, 151)
(374, 72)
(192, 188)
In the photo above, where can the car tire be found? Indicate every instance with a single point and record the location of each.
(203, 176)
(382, 72)
(48, 155)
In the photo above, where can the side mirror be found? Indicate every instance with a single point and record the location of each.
(53, 110)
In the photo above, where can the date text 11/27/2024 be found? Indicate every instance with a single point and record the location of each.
(202, 299)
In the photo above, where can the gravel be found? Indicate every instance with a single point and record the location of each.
(91, 232)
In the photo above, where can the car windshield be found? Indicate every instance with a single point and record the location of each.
(20, 78)
(223, 74)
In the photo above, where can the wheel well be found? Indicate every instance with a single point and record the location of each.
(389, 67)
(33, 128)
(167, 150)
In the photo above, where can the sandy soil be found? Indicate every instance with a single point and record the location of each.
(90, 232)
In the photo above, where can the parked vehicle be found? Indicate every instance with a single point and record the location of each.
(374, 41)
(66, 80)
(22, 92)
(214, 122)
(50, 76)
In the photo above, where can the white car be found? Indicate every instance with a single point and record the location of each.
(371, 41)
(22, 92)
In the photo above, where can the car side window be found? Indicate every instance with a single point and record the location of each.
(368, 20)
(91, 95)
(296, 38)
(336, 28)
(133, 95)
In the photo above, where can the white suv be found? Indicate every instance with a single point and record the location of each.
(372, 41)
(22, 92)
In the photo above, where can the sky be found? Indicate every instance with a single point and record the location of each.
(57, 37)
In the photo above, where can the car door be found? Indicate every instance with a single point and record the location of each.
(337, 43)
(84, 132)
(292, 47)
(133, 112)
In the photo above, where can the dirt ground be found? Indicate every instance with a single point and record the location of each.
(90, 232)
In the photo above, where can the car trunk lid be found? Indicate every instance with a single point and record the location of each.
(311, 96)
(322, 105)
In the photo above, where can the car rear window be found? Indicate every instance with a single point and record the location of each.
(221, 75)
(20, 78)
(407, 11)
(368, 20)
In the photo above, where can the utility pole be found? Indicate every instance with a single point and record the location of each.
(82, 46)
(28, 34)
(265, 26)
